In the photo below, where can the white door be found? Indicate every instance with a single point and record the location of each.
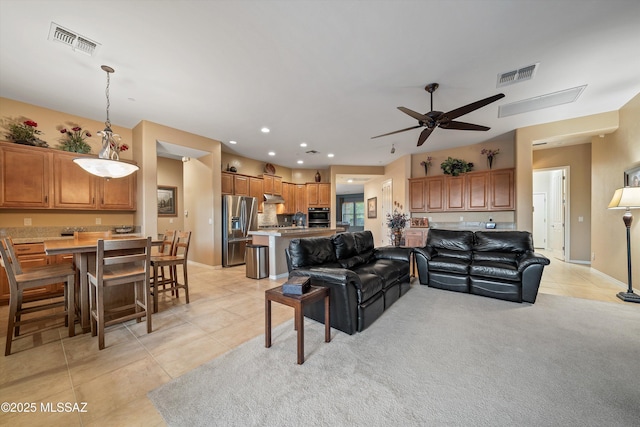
(556, 214)
(540, 220)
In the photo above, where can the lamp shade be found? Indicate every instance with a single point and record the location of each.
(626, 198)
(106, 168)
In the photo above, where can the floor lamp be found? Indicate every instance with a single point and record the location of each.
(627, 198)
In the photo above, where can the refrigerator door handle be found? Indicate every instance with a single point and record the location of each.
(243, 218)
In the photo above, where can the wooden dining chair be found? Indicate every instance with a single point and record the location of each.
(92, 234)
(21, 280)
(177, 258)
(165, 249)
(118, 262)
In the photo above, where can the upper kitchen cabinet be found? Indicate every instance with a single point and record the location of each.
(44, 178)
(74, 188)
(319, 195)
(502, 190)
(118, 194)
(24, 177)
(272, 184)
(256, 189)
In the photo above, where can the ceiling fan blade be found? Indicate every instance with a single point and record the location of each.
(424, 135)
(462, 126)
(419, 117)
(397, 131)
(470, 107)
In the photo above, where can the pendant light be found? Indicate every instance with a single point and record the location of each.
(108, 164)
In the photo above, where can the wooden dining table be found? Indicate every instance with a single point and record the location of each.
(84, 254)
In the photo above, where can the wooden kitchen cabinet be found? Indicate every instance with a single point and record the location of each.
(226, 183)
(289, 196)
(473, 191)
(478, 191)
(241, 185)
(45, 178)
(301, 198)
(272, 184)
(502, 190)
(24, 177)
(33, 255)
(319, 194)
(415, 237)
(117, 193)
(74, 188)
(256, 189)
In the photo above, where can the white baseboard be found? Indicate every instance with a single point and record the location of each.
(579, 261)
(606, 276)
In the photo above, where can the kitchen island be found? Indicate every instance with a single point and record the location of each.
(277, 239)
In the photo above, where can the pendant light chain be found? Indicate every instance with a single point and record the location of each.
(108, 122)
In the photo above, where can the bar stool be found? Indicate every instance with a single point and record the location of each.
(122, 261)
(165, 249)
(22, 280)
(177, 257)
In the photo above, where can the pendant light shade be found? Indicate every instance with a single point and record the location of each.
(108, 164)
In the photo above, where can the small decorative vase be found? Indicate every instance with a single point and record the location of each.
(490, 161)
(397, 236)
(318, 178)
(426, 170)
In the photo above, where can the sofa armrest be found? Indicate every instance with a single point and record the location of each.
(343, 287)
(531, 258)
(426, 252)
(394, 253)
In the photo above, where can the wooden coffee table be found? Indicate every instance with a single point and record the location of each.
(316, 293)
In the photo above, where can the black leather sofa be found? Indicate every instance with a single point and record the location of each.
(497, 264)
(364, 280)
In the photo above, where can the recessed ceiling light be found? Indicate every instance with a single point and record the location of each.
(330, 155)
(349, 180)
(272, 153)
(265, 130)
(300, 162)
(232, 142)
(304, 144)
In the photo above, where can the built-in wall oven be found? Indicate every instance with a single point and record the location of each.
(319, 217)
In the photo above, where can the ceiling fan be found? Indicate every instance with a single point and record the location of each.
(434, 119)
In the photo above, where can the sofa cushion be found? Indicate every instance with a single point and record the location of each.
(345, 245)
(503, 241)
(352, 262)
(464, 255)
(450, 239)
(502, 257)
(311, 251)
(387, 270)
(495, 270)
(450, 265)
(364, 241)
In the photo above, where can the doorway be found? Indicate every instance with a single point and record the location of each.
(551, 210)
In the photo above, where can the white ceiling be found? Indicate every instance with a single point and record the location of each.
(328, 73)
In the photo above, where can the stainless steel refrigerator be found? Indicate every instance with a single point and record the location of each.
(239, 216)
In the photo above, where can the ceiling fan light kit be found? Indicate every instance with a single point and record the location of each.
(434, 119)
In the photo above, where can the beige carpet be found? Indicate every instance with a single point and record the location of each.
(434, 358)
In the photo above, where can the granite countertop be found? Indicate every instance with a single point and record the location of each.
(294, 231)
(39, 239)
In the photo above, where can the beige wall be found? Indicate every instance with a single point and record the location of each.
(470, 153)
(202, 196)
(50, 122)
(170, 174)
(578, 158)
(597, 124)
(611, 155)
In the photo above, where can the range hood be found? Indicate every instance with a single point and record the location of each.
(270, 198)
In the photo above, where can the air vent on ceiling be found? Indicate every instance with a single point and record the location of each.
(539, 102)
(517, 76)
(539, 143)
(74, 40)
(312, 152)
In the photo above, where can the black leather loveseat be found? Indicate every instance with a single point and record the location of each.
(364, 280)
(498, 264)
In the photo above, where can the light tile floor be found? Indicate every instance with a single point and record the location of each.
(226, 310)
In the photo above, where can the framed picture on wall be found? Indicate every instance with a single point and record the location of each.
(632, 177)
(372, 207)
(167, 199)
